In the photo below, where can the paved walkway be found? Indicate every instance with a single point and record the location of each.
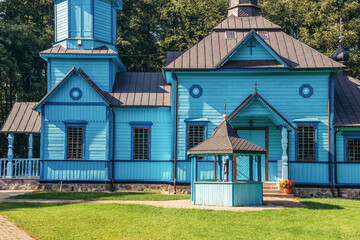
(269, 204)
(8, 231)
(10, 193)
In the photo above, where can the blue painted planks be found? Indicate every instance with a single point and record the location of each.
(96, 69)
(61, 19)
(183, 171)
(228, 194)
(102, 21)
(143, 171)
(348, 173)
(160, 131)
(69, 170)
(251, 50)
(309, 173)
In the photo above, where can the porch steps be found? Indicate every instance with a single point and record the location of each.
(270, 189)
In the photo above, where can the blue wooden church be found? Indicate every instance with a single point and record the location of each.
(100, 123)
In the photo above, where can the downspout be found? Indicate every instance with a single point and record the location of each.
(329, 130)
(113, 153)
(176, 127)
(335, 159)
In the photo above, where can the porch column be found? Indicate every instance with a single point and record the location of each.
(9, 166)
(284, 157)
(259, 167)
(231, 168)
(251, 166)
(30, 154)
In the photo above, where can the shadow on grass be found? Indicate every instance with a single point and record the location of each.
(7, 206)
(320, 206)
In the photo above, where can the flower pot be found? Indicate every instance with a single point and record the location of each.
(287, 190)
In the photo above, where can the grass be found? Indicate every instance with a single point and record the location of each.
(323, 219)
(91, 196)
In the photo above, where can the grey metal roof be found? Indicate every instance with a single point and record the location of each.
(252, 64)
(224, 140)
(341, 55)
(59, 49)
(22, 119)
(246, 23)
(214, 49)
(171, 56)
(347, 101)
(147, 89)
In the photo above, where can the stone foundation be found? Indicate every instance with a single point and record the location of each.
(19, 184)
(33, 184)
(326, 192)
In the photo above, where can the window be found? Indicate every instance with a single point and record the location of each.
(196, 135)
(141, 143)
(306, 144)
(353, 150)
(75, 142)
(80, 19)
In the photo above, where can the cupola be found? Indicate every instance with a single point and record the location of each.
(243, 8)
(341, 55)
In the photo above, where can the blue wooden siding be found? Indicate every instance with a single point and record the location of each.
(81, 22)
(160, 131)
(55, 133)
(61, 19)
(228, 194)
(257, 50)
(71, 170)
(347, 172)
(96, 69)
(62, 94)
(316, 173)
(272, 88)
(102, 21)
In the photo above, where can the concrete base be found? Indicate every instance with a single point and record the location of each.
(19, 184)
(326, 192)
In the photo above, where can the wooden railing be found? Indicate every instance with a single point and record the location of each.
(19, 168)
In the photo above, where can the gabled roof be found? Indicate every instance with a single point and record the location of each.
(224, 140)
(59, 49)
(22, 119)
(347, 101)
(246, 23)
(81, 73)
(213, 49)
(251, 98)
(146, 89)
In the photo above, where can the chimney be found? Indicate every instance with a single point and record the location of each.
(244, 8)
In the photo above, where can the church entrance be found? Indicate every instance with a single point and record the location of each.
(258, 136)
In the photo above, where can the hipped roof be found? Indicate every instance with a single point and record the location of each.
(224, 140)
(213, 50)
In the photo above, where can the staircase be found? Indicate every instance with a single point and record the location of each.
(270, 189)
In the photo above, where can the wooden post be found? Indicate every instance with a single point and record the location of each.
(259, 167)
(9, 166)
(284, 157)
(219, 168)
(231, 169)
(193, 169)
(30, 154)
(251, 168)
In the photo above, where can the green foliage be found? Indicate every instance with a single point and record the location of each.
(322, 219)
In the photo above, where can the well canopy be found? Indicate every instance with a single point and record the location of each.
(224, 140)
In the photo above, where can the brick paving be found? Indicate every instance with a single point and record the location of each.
(8, 231)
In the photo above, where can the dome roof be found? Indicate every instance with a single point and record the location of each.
(341, 55)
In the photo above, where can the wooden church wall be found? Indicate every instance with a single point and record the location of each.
(281, 90)
(97, 69)
(61, 20)
(158, 167)
(104, 23)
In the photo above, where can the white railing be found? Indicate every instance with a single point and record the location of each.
(19, 168)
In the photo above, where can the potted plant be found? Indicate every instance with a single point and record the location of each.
(286, 186)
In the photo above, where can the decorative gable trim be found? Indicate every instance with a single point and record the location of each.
(254, 34)
(267, 105)
(83, 75)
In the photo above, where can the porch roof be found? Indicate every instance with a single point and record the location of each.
(224, 140)
(22, 119)
(266, 104)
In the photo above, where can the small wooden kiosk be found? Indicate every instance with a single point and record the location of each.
(224, 190)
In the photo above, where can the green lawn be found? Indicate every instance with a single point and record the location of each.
(90, 196)
(323, 219)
